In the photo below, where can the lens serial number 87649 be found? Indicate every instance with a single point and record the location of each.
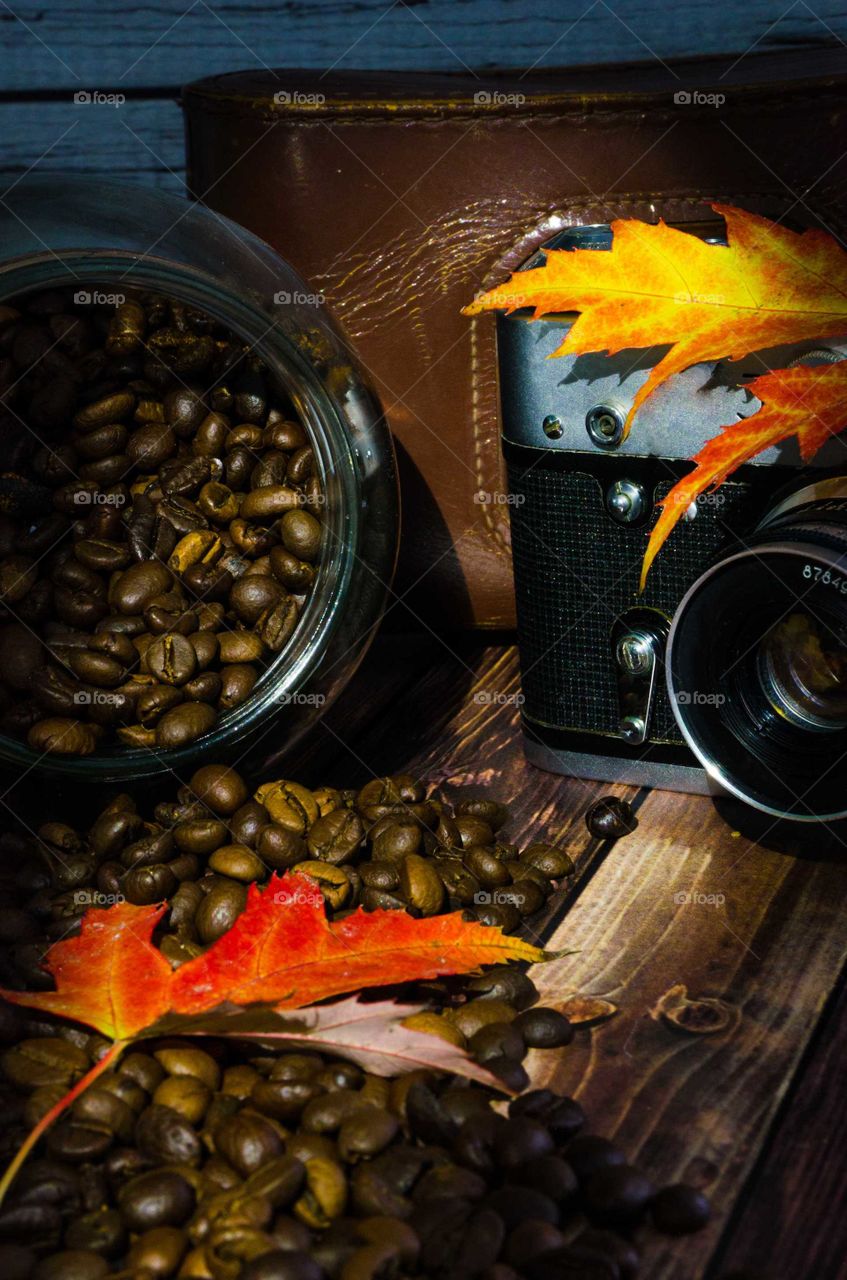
(825, 577)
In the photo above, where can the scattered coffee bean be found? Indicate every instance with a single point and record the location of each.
(610, 818)
(679, 1209)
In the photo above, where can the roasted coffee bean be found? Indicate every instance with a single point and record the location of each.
(497, 1040)
(152, 703)
(285, 1264)
(336, 836)
(563, 1117)
(588, 1155)
(470, 1017)
(395, 840)
(301, 534)
(171, 659)
(514, 1204)
(487, 869)
(138, 585)
(505, 982)
(254, 595)
(280, 848)
(185, 1095)
(184, 724)
(239, 647)
(151, 445)
(158, 1252)
(79, 1143)
(184, 410)
(277, 625)
(72, 1264)
(237, 681)
(617, 1196)
(520, 1139)
(21, 655)
(238, 862)
(610, 818)
(294, 574)
(554, 863)
(102, 1232)
(200, 835)
(248, 1142)
(530, 1240)
(46, 1061)
(219, 788)
(98, 1106)
(608, 1245)
(421, 885)
(219, 910)
(544, 1028)
(550, 1174)
(247, 821)
(678, 1210)
(161, 1198)
(164, 1136)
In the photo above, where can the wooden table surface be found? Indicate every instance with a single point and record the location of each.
(744, 918)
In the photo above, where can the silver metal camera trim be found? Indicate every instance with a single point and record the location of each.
(818, 491)
(689, 779)
(721, 783)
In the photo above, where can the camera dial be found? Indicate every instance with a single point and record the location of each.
(605, 425)
(757, 659)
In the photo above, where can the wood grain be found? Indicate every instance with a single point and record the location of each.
(697, 1107)
(789, 1222)
(118, 44)
(139, 142)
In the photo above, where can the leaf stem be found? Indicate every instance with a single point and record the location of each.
(53, 1114)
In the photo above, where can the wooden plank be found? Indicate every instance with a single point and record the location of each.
(801, 1181)
(116, 43)
(697, 1107)
(140, 141)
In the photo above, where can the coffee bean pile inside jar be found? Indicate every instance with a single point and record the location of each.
(159, 522)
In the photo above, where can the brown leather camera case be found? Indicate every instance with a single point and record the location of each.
(399, 196)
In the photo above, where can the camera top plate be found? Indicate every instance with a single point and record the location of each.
(677, 420)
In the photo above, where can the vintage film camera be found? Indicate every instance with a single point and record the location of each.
(729, 673)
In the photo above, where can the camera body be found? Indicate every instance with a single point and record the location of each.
(593, 649)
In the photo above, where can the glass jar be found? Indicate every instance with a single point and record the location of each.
(88, 234)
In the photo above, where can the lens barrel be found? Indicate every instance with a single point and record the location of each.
(757, 660)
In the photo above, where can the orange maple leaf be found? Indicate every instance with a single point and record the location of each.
(807, 401)
(281, 952)
(659, 286)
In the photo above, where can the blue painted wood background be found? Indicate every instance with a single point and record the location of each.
(145, 51)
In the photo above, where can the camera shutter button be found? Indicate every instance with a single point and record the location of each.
(625, 501)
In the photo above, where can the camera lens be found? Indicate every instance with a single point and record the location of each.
(757, 660)
(803, 670)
